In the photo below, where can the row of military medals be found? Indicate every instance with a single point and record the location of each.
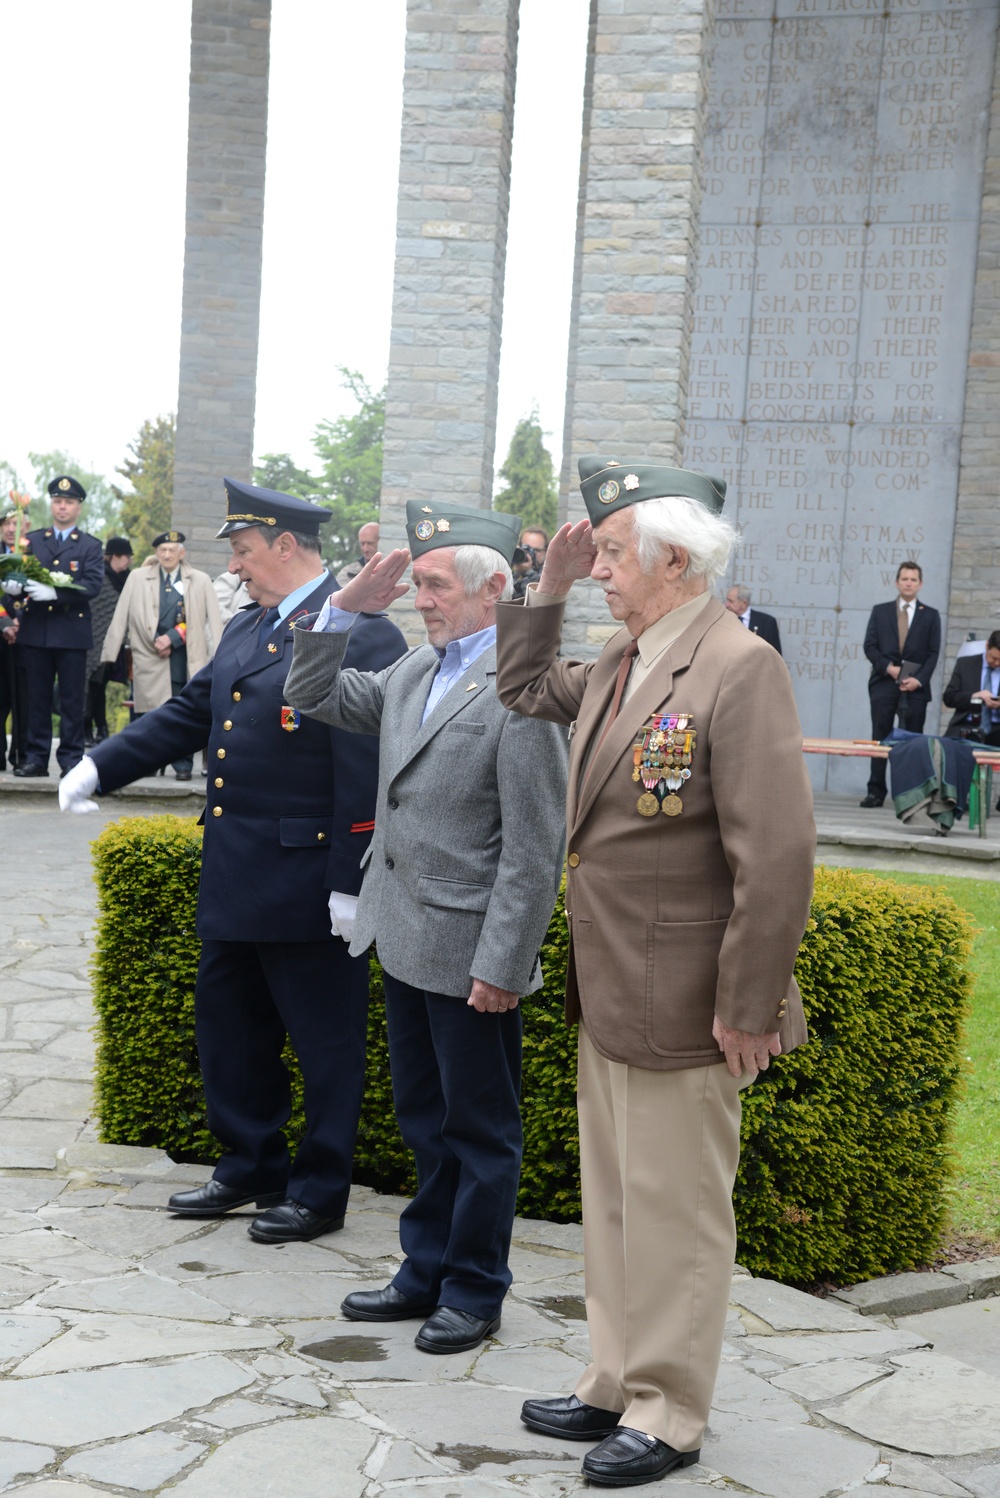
(662, 756)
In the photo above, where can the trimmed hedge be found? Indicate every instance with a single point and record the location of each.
(846, 1142)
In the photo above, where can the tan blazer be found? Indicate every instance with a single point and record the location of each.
(675, 919)
(137, 614)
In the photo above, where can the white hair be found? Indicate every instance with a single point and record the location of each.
(677, 521)
(475, 565)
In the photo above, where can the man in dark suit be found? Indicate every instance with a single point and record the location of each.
(903, 631)
(974, 693)
(755, 620)
(289, 815)
(56, 632)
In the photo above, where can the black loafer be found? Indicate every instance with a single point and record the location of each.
(630, 1457)
(291, 1222)
(569, 1418)
(215, 1200)
(389, 1304)
(448, 1330)
(871, 800)
(182, 774)
(32, 772)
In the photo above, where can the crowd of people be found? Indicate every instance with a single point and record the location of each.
(378, 795)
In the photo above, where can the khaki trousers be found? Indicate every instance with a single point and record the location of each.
(658, 1156)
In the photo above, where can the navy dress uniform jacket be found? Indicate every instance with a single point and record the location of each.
(65, 623)
(290, 809)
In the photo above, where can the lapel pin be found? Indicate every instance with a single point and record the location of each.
(272, 650)
(472, 687)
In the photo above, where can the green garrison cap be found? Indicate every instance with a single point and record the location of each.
(430, 524)
(610, 484)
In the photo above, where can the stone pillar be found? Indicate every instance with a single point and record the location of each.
(974, 602)
(454, 188)
(637, 232)
(227, 136)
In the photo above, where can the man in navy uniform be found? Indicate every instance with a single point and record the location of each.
(289, 815)
(56, 632)
(902, 633)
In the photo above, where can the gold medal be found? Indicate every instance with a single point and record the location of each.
(647, 804)
(672, 805)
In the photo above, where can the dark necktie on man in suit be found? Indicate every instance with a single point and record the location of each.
(268, 620)
(628, 656)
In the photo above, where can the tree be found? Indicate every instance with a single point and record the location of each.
(100, 514)
(350, 479)
(145, 509)
(529, 477)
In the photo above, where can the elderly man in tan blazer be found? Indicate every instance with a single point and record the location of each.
(690, 853)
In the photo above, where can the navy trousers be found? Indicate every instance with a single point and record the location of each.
(43, 666)
(456, 1080)
(248, 996)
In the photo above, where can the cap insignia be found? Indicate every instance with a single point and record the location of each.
(612, 463)
(631, 481)
(608, 492)
(444, 525)
(424, 530)
(64, 484)
(426, 510)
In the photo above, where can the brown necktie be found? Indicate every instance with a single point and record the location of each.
(628, 656)
(903, 622)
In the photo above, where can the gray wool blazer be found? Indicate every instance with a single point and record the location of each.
(463, 869)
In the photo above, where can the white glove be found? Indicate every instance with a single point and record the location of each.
(76, 786)
(343, 909)
(40, 592)
(10, 586)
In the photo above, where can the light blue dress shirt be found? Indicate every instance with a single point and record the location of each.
(456, 658)
(291, 603)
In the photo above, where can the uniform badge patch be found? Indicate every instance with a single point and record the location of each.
(290, 719)
(74, 566)
(444, 525)
(631, 481)
(424, 530)
(608, 492)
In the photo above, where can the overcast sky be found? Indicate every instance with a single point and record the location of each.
(93, 165)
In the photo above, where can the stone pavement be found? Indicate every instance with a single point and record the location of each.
(140, 1352)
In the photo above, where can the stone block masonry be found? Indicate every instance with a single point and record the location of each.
(636, 250)
(227, 137)
(451, 245)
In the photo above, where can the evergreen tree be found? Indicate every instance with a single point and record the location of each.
(100, 514)
(529, 477)
(145, 510)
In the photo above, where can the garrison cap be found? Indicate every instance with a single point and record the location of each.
(119, 546)
(8, 513)
(610, 484)
(166, 538)
(65, 487)
(246, 505)
(430, 525)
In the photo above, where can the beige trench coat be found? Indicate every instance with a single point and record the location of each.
(137, 616)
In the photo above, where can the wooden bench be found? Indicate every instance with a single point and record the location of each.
(980, 794)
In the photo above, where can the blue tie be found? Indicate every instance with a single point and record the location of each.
(268, 620)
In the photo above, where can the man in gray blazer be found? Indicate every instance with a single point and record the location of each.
(459, 887)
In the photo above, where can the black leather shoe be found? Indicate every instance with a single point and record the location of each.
(630, 1457)
(389, 1304)
(448, 1330)
(569, 1418)
(871, 800)
(215, 1200)
(291, 1222)
(182, 774)
(32, 772)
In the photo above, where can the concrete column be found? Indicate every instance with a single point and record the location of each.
(637, 232)
(227, 136)
(454, 189)
(974, 602)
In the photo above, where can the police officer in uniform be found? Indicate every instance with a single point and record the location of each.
(290, 813)
(13, 682)
(56, 633)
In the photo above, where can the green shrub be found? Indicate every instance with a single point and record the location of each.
(846, 1142)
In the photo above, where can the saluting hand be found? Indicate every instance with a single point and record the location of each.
(376, 585)
(571, 554)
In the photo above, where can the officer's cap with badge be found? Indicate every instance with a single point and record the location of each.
(432, 524)
(247, 506)
(169, 538)
(610, 484)
(65, 487)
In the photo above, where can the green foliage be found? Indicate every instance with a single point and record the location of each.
(846, 1142)
(350, 478)
(145, 509)
(530, 482)
(100, 513)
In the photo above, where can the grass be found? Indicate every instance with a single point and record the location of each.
(975, 1191)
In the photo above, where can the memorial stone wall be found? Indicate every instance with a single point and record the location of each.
(843, 169)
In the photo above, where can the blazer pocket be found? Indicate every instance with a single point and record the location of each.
(456, 726)
(682, 976)
(453, 894)
(305, 832)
